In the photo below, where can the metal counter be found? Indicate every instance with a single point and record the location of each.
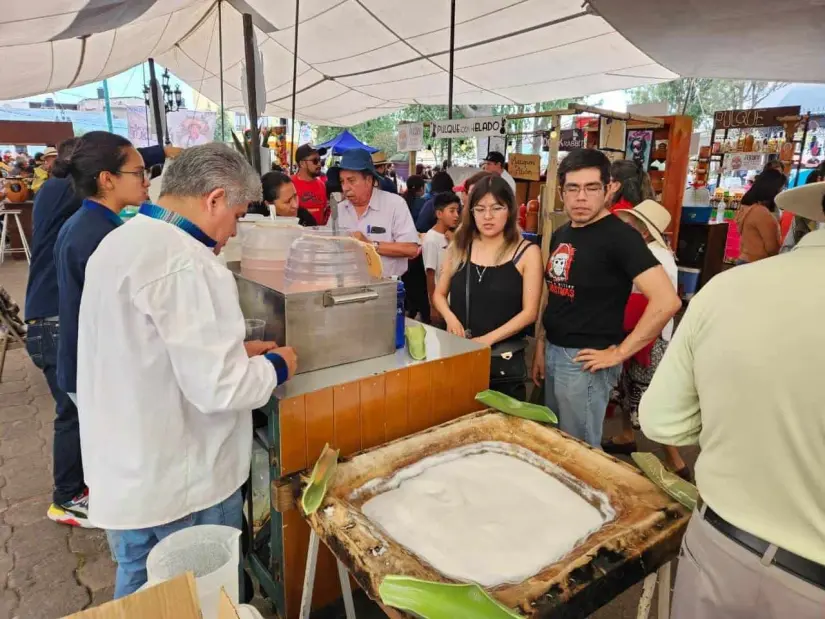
(440, 345)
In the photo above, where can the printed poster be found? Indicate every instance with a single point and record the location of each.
(639, 145)
(191, 128)
(410, 137)
(138, 127)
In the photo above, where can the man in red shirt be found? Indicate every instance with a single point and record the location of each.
(312, 192)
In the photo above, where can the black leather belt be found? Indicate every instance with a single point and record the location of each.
(805, 569)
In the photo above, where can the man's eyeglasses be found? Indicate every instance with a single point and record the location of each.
(496, 209)
(590, 189)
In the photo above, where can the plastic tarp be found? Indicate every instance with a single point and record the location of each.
(345, 141)
(357, 59)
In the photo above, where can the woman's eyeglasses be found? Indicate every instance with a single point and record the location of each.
(143, 174)
(496, 209)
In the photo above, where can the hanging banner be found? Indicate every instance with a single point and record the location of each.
(137, 119)
(410, 137)
(734, 162)
(571, 139)
(191, 127)
(526, 167)
(469, 127)
(756, 117)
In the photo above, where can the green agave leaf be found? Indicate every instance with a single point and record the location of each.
(416, 341)
(511, 406)
(322, 474)
(438, 600)
(683, 491)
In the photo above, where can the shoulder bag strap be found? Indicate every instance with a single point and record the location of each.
(467, 333)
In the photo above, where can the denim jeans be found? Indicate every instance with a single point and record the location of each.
(578, 398)
(41, 344)
(130, 548)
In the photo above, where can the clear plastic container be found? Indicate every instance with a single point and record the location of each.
(319, 261)
(264, 250)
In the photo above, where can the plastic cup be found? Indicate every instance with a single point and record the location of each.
(255, 329)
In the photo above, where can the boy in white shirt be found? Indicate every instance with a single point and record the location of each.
(436, 240)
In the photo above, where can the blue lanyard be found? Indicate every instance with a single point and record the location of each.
(158, 212)
(106, 212)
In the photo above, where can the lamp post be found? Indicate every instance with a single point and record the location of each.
(172, 99)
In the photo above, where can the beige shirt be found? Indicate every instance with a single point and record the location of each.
(743, 378)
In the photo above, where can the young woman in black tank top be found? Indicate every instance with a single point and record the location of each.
(505, 272)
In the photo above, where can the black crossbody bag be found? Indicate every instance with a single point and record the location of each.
(508, 363)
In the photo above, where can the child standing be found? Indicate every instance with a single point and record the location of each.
(436, 240)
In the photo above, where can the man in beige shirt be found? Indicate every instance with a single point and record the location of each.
(744, 381)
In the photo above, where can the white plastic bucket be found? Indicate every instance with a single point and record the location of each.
(211, 551)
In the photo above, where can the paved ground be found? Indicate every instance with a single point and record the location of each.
(48, 570)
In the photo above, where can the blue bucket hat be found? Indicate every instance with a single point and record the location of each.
(359, 160)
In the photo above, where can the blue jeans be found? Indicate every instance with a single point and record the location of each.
(130, 548)
(578, 398)
(67, 465)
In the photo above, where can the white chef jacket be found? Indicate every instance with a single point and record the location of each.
(165, 388)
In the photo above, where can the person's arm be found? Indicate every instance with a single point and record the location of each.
(429, 255)
(206, 348)
(662, 305)
(530, 299)
(397, 250)
(442, 289)
(669, 412)
(768, 229)
(404, 242)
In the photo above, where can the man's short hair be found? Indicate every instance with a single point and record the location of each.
(199, 170)
(443, 200)
(583, 158)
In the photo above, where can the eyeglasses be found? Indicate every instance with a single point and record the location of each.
(315, 160)
(590, 189)
(495, 209)
(144, 174)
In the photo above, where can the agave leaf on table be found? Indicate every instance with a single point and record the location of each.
(322, 473)
(517, 408)
(683, 491)
(438, 600)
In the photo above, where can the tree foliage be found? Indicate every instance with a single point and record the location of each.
(700, 98)
(227, 128)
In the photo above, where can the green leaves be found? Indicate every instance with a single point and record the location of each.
(416, 341)
(686, 493)
(436, 600)
(322, 474)
(511, 406)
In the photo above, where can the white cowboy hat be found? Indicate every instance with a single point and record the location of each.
(655, 217)
(807, 201)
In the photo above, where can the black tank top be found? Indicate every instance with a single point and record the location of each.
(495, 294)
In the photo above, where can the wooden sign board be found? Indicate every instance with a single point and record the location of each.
(757, 117)
(525, 167)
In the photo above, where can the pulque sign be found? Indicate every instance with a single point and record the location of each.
(467, 127)
(757, 117)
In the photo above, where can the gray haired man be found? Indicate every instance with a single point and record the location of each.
(165, 382)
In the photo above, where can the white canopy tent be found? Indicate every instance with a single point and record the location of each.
(357, 59)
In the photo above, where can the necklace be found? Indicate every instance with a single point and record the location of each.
(480, 273)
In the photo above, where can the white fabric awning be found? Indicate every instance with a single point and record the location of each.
(357, 59)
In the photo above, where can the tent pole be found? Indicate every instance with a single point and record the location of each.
(294, 83)
(220, 62)
(452, 69)
(251, 90)
(153, 85)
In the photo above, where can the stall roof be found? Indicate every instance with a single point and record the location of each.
(343, 142)
(357, 59)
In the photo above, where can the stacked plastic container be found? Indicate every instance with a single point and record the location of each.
(319, 261)
(265, 247)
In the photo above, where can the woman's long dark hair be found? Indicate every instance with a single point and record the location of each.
(91, 154)
(635, 183)
(766, 186)
(441, 182)
(468, 230)
(414, 183)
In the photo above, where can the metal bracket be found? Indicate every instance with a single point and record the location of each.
(309, 581)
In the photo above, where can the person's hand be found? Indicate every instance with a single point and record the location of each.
(595, 360)
(360, 236)
(288, 354)
(454, 326)
(258, 347)
(172, 151)
(537, 372)
(484, 340)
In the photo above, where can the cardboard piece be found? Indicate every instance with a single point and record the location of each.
(173, 599)
(526, 167)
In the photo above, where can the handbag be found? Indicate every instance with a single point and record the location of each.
(508, 363)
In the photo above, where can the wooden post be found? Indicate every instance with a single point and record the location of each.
(251, 91)
(452, 70)
(550, 188)
(412, 164)
(680, 130)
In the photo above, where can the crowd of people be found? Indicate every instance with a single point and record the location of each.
(163, 442)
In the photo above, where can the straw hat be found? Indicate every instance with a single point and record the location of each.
(653, 215)
(379, 158)
(51, 151)
(807, 201)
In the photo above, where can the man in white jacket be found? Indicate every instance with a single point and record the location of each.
(165, 382)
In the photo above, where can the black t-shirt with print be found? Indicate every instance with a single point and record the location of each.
(589, 276)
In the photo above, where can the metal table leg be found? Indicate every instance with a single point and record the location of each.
(662, 576)
(309, 576)
(346, 590)
(664, 591)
